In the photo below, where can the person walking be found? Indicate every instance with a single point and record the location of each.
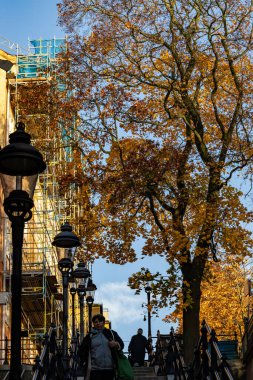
(137, 348)
(97, 351)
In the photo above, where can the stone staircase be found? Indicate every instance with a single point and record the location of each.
(142, 373)
(146, 373)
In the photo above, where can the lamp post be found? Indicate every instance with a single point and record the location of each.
(90, 301)
(81, 293)
(66, 243)
(73, 293)
(148, 290)
(20, 165)
(65, 265)
(90, 295)
(81, 274)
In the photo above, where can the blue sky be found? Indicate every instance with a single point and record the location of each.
(21, 20)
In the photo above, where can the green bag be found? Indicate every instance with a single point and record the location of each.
(124, 369)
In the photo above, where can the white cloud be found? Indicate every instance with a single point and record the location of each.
(125, 310)
(123, 304)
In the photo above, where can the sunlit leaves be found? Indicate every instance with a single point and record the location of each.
(163, 91)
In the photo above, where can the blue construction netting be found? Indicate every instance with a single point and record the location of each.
(39, 60)
(39, 63)
(50, 47)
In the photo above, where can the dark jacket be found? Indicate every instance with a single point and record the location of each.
(137, 347)
(85, 345)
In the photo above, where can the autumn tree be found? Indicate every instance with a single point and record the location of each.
(225, 286)
(224, 302)
(163, 89)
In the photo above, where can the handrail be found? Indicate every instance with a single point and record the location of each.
(6, 376)
(208, 361)
(74, 363)
(173, 363)
(46, 360)
(52, 365)
(157, 358)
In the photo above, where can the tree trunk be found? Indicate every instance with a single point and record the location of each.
(193, 272)
(191, 323)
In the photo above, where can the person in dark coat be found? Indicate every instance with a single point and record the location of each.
(137, 348)
(97, 351)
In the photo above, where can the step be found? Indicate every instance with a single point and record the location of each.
(140, 377)
(141, 373)
(150, 377)
(237, 368)
(146, 373)
(140, 370)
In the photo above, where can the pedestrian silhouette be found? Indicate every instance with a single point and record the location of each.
(137, 348)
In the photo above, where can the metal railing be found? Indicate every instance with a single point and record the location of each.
(74, 358)
(52, 365)
(49, 364)
(44, 357)
(168, 356)
(29, 350)
(209, 363)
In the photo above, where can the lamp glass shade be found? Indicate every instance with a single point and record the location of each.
(66, 252)
(91, 289)
(90, 293)
(81, 271)
(81, 282)
(26, 183)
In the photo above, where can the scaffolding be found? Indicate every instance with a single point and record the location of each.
(41, 292)
(41, 59)
(11, 47)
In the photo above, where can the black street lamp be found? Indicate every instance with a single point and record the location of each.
(90, 295)
(66, 243)
(148, 290)
(20, 165)
(81, 274)
(73, 293)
